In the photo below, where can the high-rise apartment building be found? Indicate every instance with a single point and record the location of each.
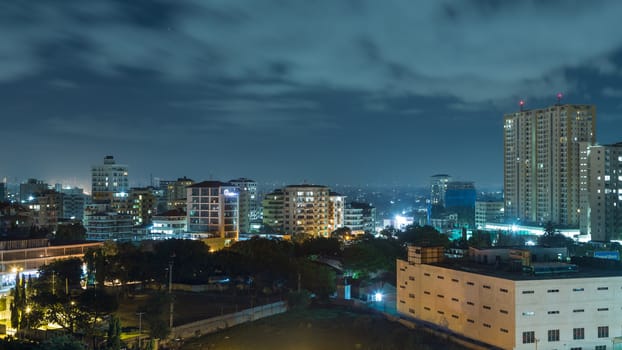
(143, 205)
(299, 210)
(73, 203)
(47, 209)
(438, 186)
(336, 206)
(360, 217)
(604, 213)
(248, 202)
(542, 155)
(306, 211)
(273, 208)
(212, 209)
(109, 179)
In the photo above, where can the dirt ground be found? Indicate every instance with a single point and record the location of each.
(320, 329)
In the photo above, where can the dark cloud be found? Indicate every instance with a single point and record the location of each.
(335, 79)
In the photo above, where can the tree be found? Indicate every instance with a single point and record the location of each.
(552, 237)
(70, 233)
(423, 235)
(509, 239)
(193, 255)
(62, 342)
(60, 275)
(156, 314)
(317, 278)
(480, 239)
(19, 304)
(372, 255)
(320, 246)
(113, 342)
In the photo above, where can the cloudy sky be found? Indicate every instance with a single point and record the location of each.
(329, 91)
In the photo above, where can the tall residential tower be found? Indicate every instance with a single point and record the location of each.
(542, 150)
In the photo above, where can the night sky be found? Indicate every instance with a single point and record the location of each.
(335, 91)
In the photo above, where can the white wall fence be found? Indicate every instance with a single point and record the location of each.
(218, 323)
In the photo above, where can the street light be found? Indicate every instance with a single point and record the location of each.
(28, 310)
(170, 291)
(140, 327)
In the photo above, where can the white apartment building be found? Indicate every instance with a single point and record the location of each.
(212, 209)
(109, 178)
(573, 310)
(542, 156)
(172, 222)
(336, 210)
(248, 202)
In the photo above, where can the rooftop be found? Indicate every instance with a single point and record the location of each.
(504, 270)
(306, 186)
(204, 184)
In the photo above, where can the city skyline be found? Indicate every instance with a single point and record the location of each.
(327, 93)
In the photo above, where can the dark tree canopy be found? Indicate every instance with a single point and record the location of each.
(423, 235)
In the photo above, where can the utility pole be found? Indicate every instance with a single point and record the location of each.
(140, 328)
(170, 292)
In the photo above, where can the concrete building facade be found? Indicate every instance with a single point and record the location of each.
(213, 209)
(306, 211)
(488, 211)
(273, 210)
(336, 207)
(249, 211)
(511, 311)
(604, 212)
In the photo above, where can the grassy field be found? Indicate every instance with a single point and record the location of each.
(321, 329)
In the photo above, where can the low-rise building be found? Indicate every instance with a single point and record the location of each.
(488, 211)
(550, 305)
(172, 222)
